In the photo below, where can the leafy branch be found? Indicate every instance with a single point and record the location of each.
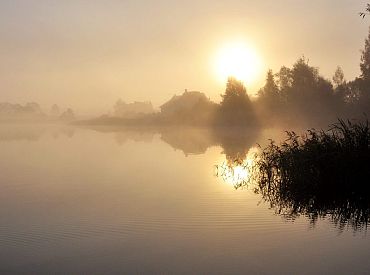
(367, 11)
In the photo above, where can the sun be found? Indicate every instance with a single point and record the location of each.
(238, 60)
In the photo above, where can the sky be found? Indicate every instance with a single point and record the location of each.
(86, 54)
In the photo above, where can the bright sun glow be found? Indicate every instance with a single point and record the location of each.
(237, 60)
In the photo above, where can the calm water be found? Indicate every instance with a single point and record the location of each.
(103, 200)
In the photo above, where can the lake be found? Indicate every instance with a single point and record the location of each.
(105, 200)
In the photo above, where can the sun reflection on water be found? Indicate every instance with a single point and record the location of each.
(237, 171)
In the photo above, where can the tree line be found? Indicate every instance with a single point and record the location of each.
(295, 95)
(302, 92)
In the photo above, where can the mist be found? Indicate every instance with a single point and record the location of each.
(88, 55)
(201, 137)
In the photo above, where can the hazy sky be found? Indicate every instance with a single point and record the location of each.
(87, 54)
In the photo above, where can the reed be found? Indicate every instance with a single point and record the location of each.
(320, 173)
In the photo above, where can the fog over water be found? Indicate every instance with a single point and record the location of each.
(193, 137)
(80, 200)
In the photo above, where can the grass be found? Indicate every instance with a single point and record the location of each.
(320, 173)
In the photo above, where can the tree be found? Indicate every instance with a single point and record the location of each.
(269, 96)
(270, 89)
(367, 11)
(362, 84)
(303, 75)
(338, 77)
(358, 90)
(341, 89)
(365, 60)
(305, 92)
(235, 92)
(235, 95)
(284, 78)
(235, 107)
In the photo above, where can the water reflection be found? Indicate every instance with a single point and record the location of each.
(33, 132)
(191, 141)
(239, 168)
(235, 142)
(125, 134)
(238, 172)
(345, 207)
(109, 199)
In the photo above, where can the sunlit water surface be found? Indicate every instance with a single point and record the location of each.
(87, 201)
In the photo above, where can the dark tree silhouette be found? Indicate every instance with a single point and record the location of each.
(303, 75)
(358, 90)
(235, 108)
(309, 94)
(235, 92)
(270, 90)
(270, 99)
(365, 60)
(300, 94)
(284, 78)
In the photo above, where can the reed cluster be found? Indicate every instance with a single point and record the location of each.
(320, 173)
